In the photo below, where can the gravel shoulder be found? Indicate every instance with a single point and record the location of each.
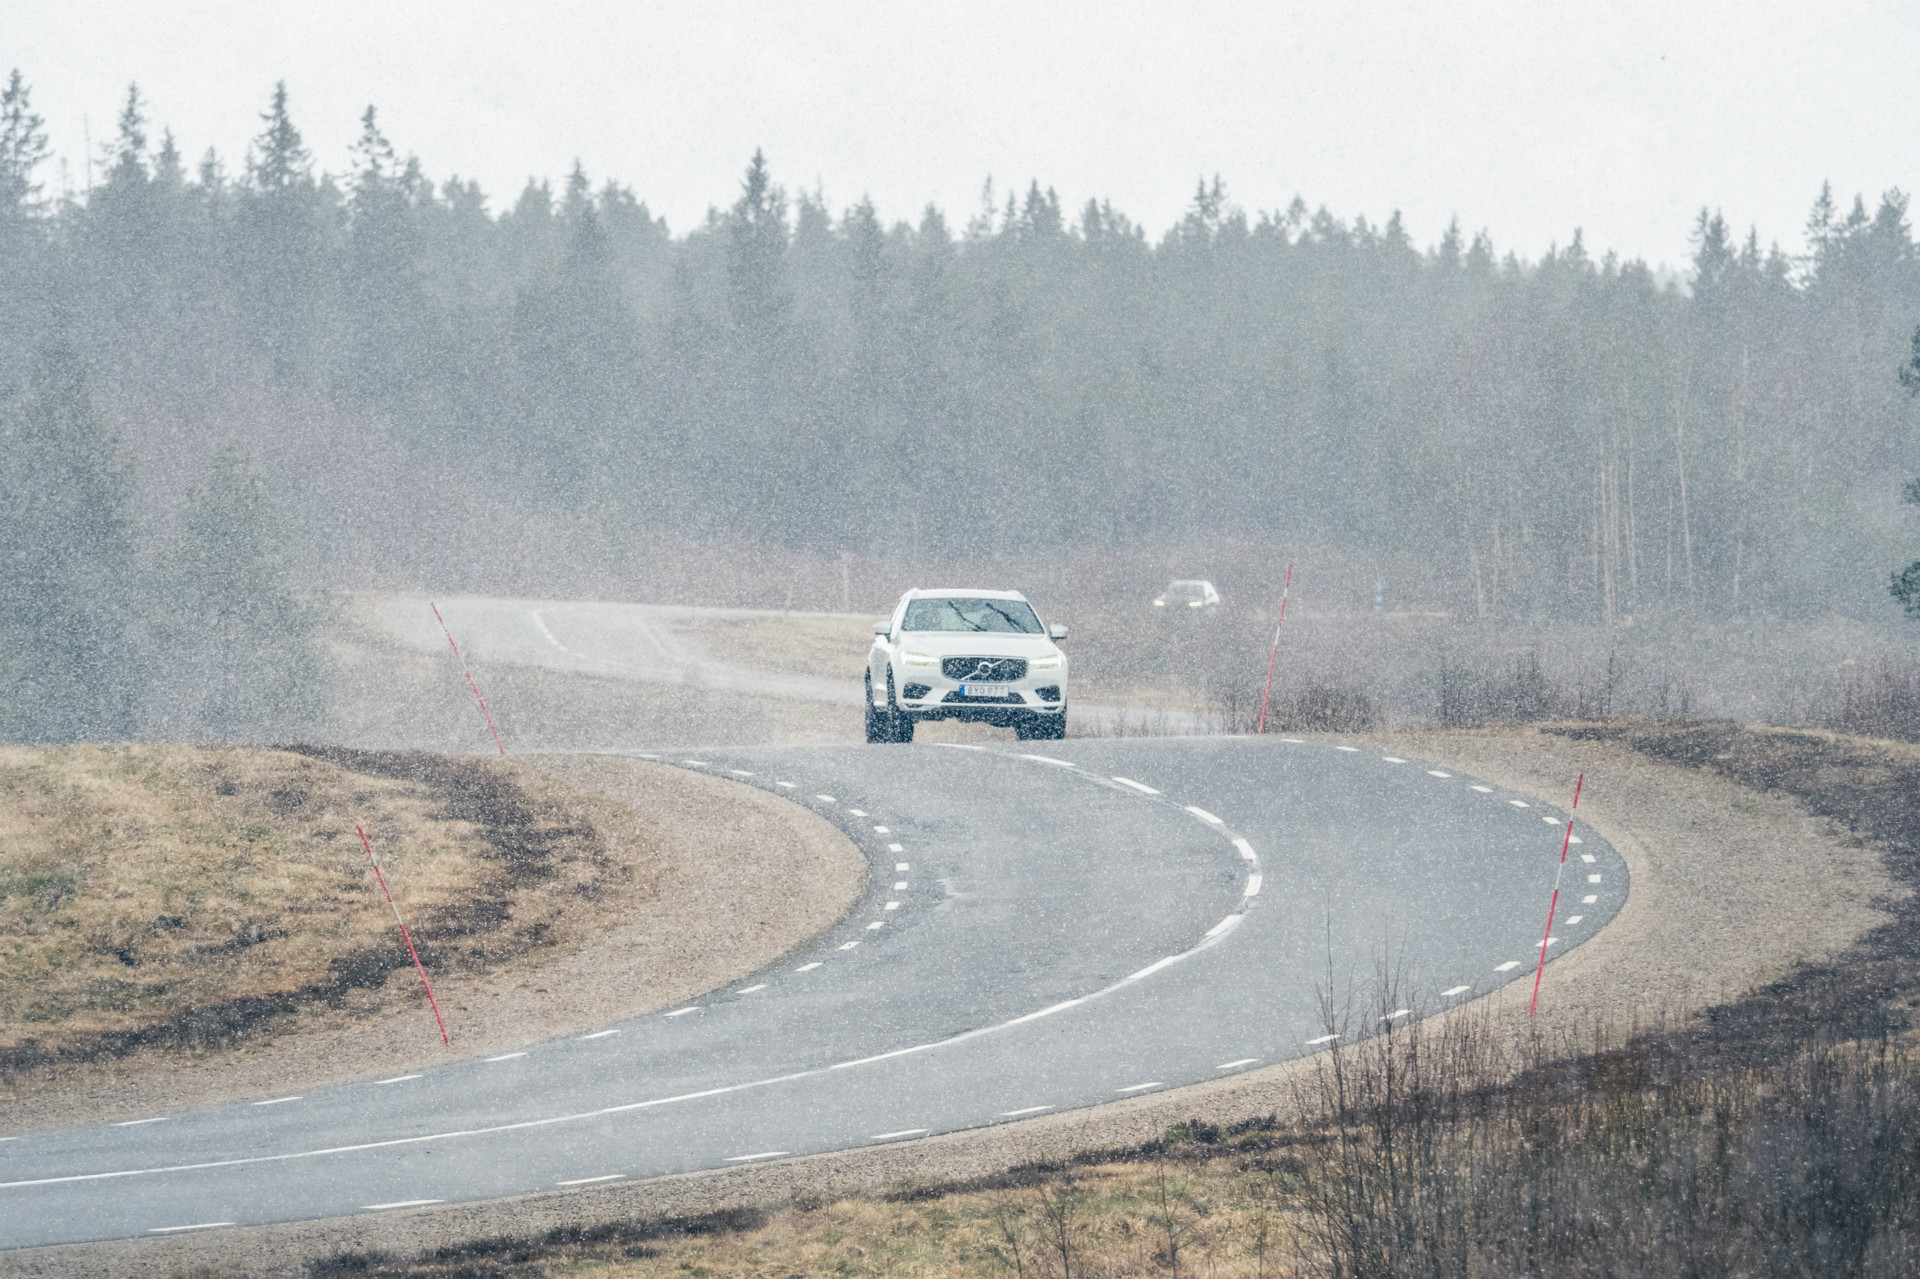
(1731, 888)
(731, 878)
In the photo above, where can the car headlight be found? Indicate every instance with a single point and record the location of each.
(917, 659)
(1051, 662)
(1159, 603)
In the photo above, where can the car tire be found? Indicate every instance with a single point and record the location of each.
(900, 721)
(879, 723)
(1050, 728)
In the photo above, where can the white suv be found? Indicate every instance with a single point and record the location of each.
(975, 656)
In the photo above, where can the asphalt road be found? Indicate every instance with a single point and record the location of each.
(1036, 935)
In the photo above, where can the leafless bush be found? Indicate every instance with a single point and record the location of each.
(1418, 1164)
(1881, 699)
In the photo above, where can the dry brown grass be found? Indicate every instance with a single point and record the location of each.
(798, 644)
(165, 895)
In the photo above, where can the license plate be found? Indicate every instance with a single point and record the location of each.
(983, 690)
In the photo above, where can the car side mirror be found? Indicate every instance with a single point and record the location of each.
(883, 627)
(1057, 631)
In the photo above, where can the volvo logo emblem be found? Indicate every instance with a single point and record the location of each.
(984, 671)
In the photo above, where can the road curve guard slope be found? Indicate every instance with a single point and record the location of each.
(1041, 932)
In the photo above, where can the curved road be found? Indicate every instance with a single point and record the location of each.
(1039, 932)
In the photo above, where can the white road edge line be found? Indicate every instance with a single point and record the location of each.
(200, 1225)
(1141, 1087)
(1153, 968)
(1048, 759)
(750, 989)
(764, 1154)
(1026, 1110)
(598, 1034)
(274, 1101)
(682, 1012)
(399, 1203)
(588, 1181)
(505, 1057)
(130, 1123)
(889, 1136)
(397, 1079)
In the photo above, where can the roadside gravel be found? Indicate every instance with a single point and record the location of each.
(1730, 889)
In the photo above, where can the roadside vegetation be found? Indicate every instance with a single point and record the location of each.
(1778, 1135)
(185, 897)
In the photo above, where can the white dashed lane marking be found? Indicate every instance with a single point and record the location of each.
(892, 906)
(1593, 879)
(788, 785)
(697, 763)
(901, 866)
(1143, 789)
(599, 1034)
(1397, 1013)
(1324, 1039)
(849, 946)
(1587, 858)
(682, 1012)
(889, 1136)
(1393, 759)
(749, 990)
(882, 830)
(1457, 990)
(1589, 899)
(807, 968)
(1253, 885)
(1574, 919)
(900, 887)
(1141, 1087)
(1204, 815)
(1521, 803)
(875, 924)
(1350, 749)
(1484, 790)
(1434, 772)
(826, 799)
(1246, 849)
(1235, 1065)
(896, 848)
(739, 772)
(1507, 967)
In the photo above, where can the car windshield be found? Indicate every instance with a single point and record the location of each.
(1187, 591)
(961, 613)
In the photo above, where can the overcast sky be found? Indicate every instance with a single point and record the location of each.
(1623, 120)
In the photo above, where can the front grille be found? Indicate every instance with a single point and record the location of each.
(984, 670)
(1051, 693)
(914, 692)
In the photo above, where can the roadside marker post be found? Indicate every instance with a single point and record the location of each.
(405, 935)
(1274, 656)
(1566, 841)
(461, 658)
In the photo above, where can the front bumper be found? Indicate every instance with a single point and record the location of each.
(928, 694)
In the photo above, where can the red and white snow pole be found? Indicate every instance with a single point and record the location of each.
(1274, 656)
(405, 936)
(461, 657)
(1565, 842)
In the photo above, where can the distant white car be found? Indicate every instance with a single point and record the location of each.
(973, 655)
(1190, 593)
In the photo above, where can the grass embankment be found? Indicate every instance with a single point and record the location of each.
(1776, 1135)
(182, 896)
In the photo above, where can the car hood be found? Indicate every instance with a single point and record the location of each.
(980, 643)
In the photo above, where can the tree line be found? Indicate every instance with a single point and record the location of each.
(421, 379)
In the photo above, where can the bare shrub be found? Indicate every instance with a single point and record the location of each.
(1881, 699)
(1420, 1160)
